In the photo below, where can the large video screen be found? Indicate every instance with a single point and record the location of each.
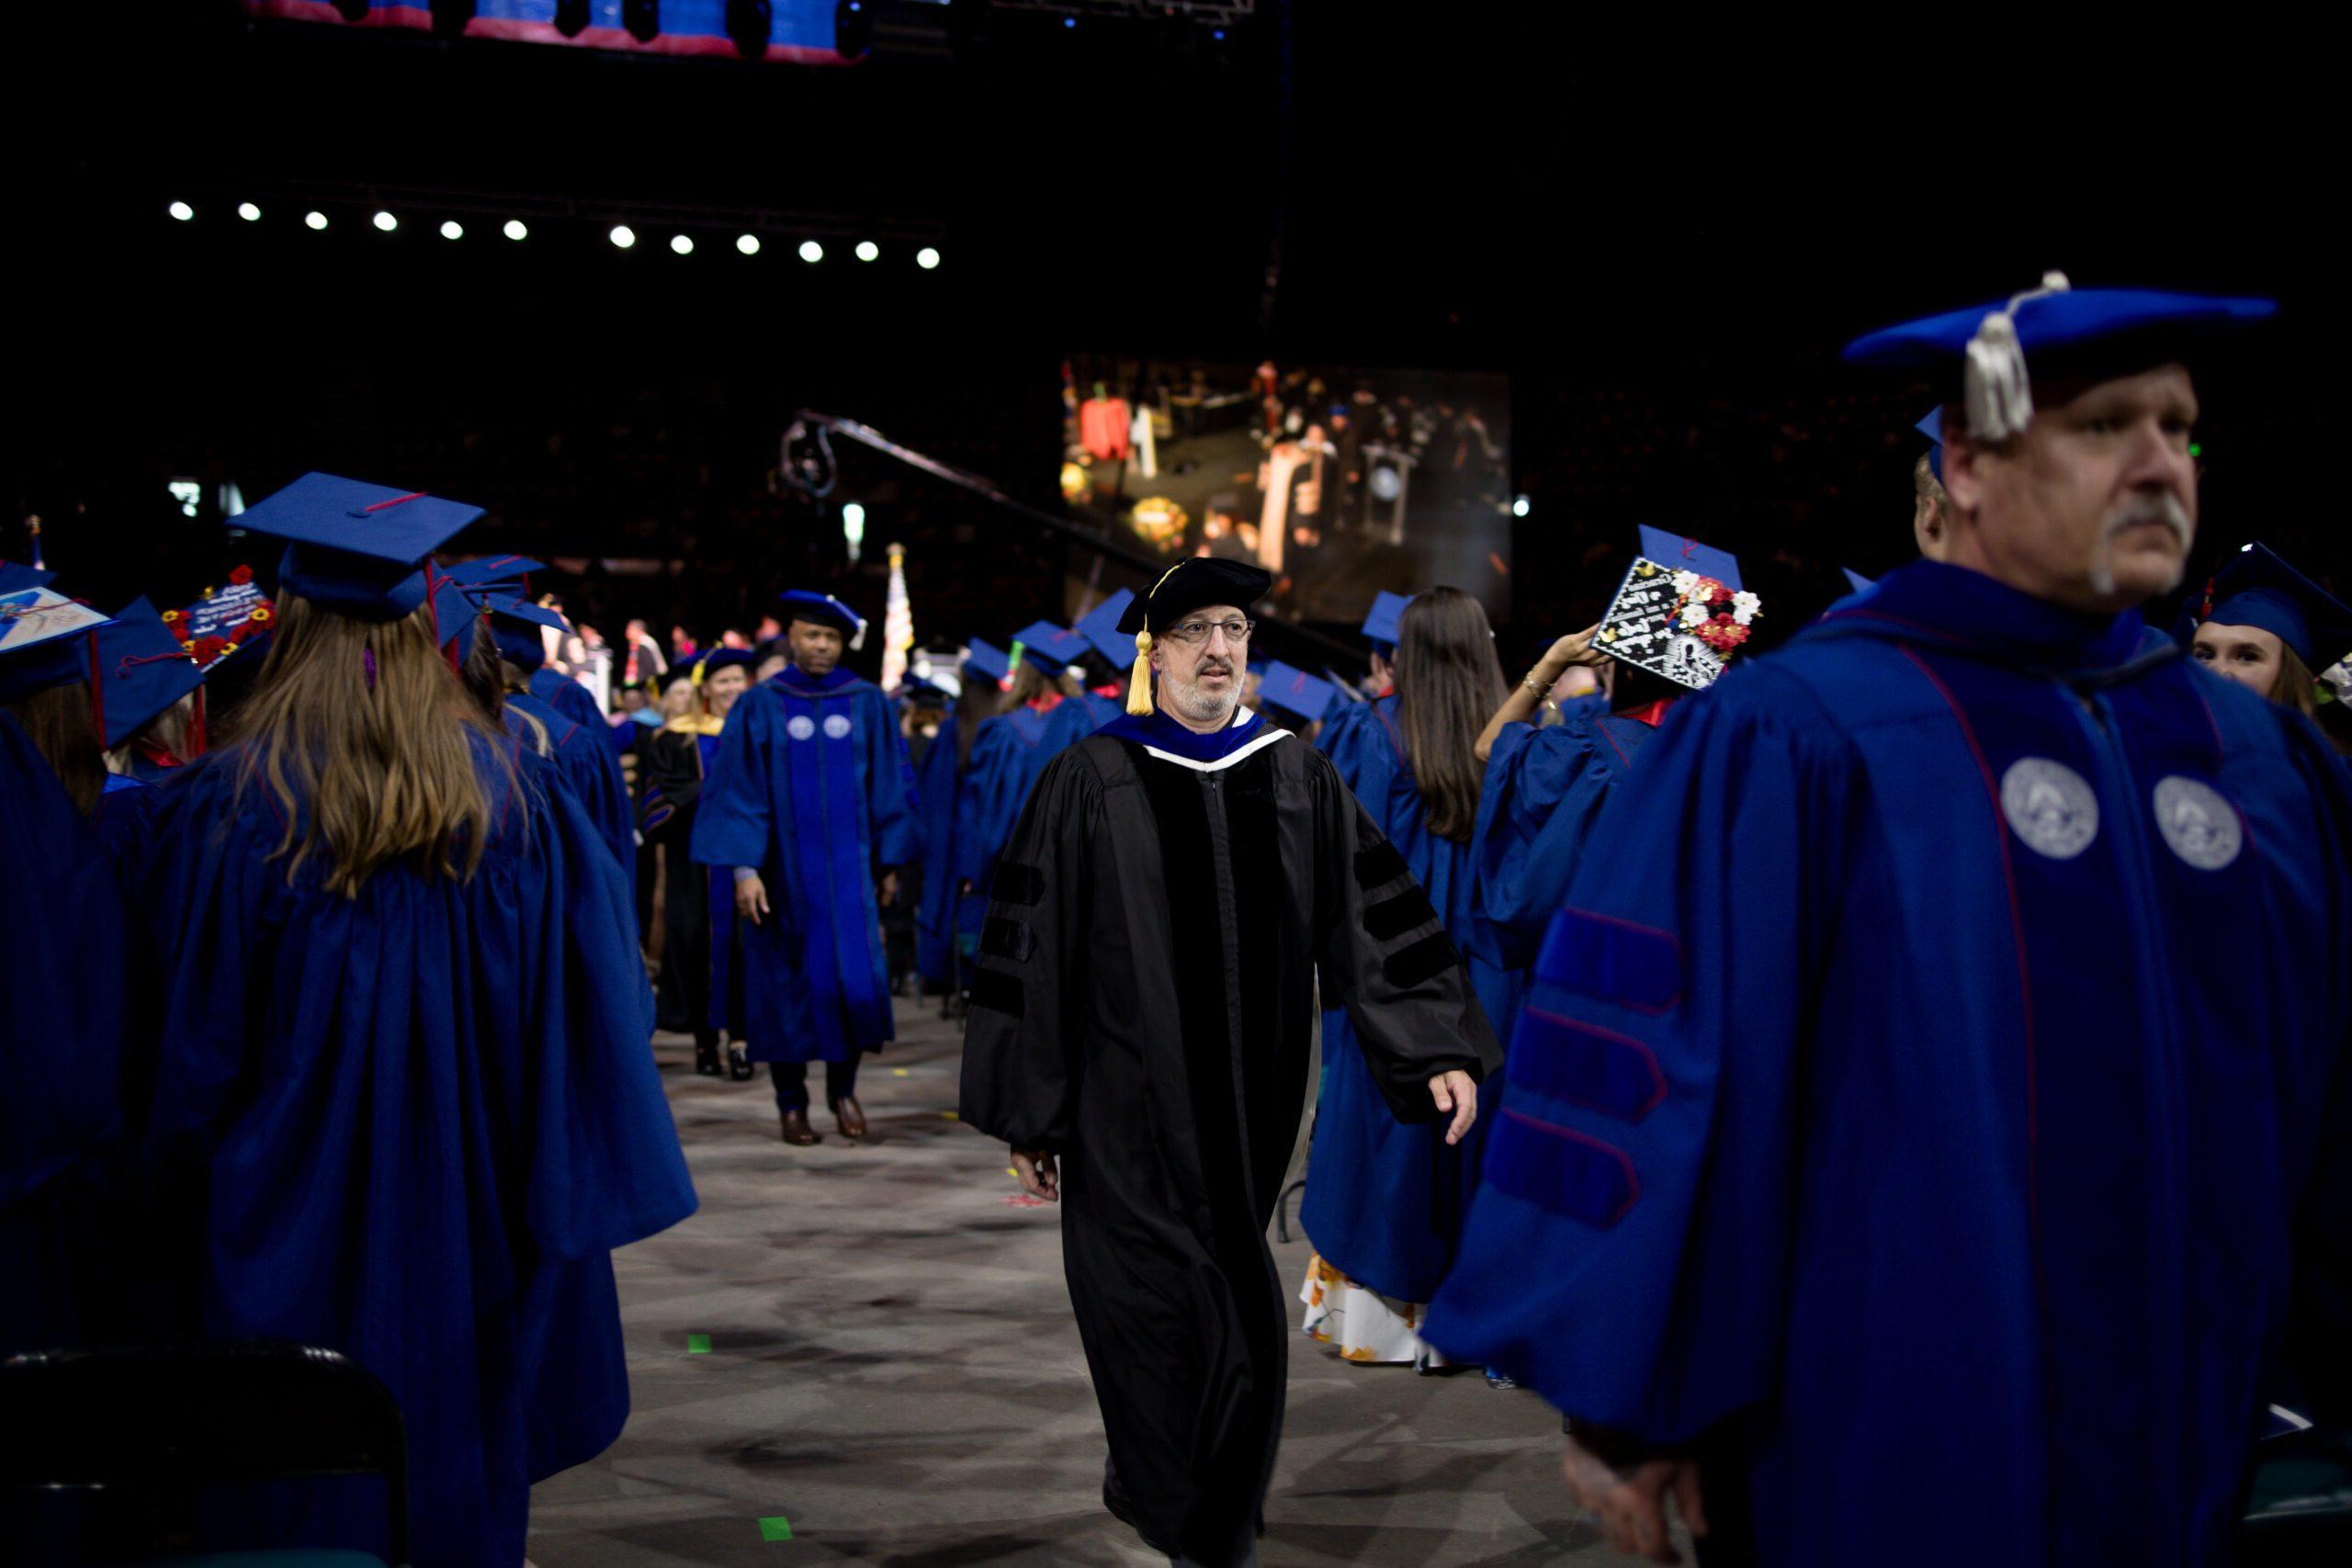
(1341, 481)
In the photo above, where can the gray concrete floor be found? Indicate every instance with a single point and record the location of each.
(892, 1372)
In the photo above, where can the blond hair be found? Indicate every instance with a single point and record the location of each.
(368, 745)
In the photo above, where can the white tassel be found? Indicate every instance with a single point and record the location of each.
(1996, 390)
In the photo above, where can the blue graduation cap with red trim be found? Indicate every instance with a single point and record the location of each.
(1100, 626)
(354, 549)
(1295, 691)
(1381, 622)
(2258, 588)
(1672, 551)
(43, 641)
(1054, 649)
(141, 671)
(989, 661)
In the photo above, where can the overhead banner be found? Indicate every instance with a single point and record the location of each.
(799, 33)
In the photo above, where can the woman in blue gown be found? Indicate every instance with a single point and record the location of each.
(1385, 1201)
(404, 1109)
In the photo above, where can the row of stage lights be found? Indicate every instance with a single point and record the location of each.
(622, 236)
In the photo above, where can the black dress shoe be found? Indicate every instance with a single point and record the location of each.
(797, 1130)
(850, 1117)
(739, 1061)
(706, 1059)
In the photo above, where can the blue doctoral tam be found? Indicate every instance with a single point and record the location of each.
(2068, 318)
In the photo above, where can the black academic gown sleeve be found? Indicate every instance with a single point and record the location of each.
(1384, 956)
(1021, 1060)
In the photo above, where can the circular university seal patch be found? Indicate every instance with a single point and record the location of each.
(837, 725)
(2050, 806)
(2198, 822)
(801, 726)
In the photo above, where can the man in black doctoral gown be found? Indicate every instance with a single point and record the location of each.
(1139, 1034)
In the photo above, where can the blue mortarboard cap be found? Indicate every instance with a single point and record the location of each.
(44, 640)
(502, 575)
(1100, 626)
(454, 610)
(990, 660)
(1388, 611)
(1678, 554)
(2067, 319)
(510, 609)
(1932, 427)
(1856, 581)
(1055, 648)
(514, 625)
(14, 576)
(825, 610)
(2257, 587)
(142, 669)
(354, 549)
(1295, 691)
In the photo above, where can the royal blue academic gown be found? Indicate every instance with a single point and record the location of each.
(945, 914)
(1542, 791)
(412, 1126)
(1931, 1087)
(567, 696)
(126, 814)
(1008, 754)
(66, 974)
(812, 788)
(1385, 1201)
(591, 771)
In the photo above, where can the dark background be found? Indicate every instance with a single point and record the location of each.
(1662, 240)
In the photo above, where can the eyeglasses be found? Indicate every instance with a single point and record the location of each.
(1196, 631)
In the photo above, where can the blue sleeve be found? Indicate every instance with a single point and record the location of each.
(1364, 753)
(1543, 792)
(987, 805)
(1644, 1147)
(890, 787)
(733, 825)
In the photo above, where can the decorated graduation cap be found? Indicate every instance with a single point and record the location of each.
(225, 620)
(824, 610)
(1100, 626)
(1050, 647)
(1183, 589)
(1296, 692)
(2257, 587)
(1387, 615)
(14, 576)
(356, 548)
(988, 660)
(1932, 427)
(42, 640)
(141, 671)
(1681, 612)
(1995, 344)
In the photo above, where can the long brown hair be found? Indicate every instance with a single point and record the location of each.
(365, 739)
(1449, 683)
(58, 722)
(2295, 686)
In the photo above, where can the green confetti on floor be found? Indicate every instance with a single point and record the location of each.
(697, 1344)
(898, 1072)
(778, 1528)
(951, 1115)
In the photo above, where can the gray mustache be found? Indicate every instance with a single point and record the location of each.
(2164, 509)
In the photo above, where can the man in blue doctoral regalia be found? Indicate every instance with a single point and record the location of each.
(810, 806)
(1914, 1178)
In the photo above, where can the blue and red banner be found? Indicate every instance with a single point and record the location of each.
(799, 31)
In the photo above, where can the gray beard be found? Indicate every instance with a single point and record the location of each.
(1190, 703)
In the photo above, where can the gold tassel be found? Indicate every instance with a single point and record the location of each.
(1139, 682)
